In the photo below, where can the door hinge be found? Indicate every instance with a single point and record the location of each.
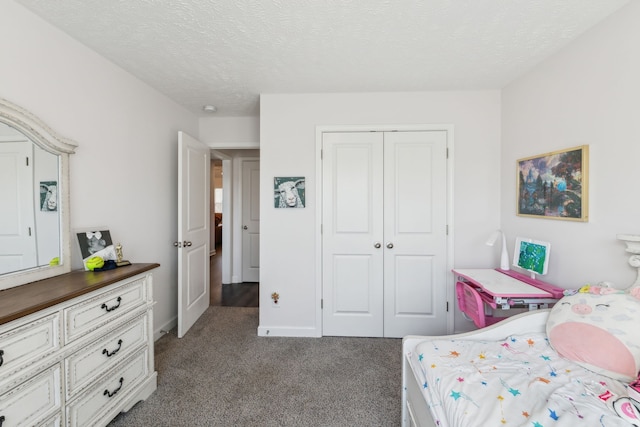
(321, 229)
(29, 231)
(321, 304)
(27, 161)
(447, 306)
(447, 229)
(321, 154)
(447, 152)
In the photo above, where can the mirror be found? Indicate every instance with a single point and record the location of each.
(34, 188)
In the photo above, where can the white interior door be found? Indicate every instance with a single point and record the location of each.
(194, 170)
(17, 239)
(251, 221)
(384, 233)
(352, 234)
(415, 218)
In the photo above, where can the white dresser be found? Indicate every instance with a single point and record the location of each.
(77, 349)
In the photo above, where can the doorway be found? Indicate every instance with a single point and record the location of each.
(217, 198)
(228, 287)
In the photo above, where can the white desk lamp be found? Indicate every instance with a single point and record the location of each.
(504, 256)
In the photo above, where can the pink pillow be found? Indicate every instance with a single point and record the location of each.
(598, 330)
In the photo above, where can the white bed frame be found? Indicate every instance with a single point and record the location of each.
(415, 410)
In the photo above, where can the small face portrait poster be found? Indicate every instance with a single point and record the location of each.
(288, 191)
(49, 196)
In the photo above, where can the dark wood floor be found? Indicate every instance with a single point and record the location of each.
(234, 294)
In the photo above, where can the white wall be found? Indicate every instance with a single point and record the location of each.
(589, 93)
(124, 173)
(230, 132)
(288, 237)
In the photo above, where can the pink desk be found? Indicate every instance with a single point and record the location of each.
(509, 289)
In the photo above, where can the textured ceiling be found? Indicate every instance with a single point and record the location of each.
(227, 52)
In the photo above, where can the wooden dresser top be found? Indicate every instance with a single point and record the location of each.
(26, 299)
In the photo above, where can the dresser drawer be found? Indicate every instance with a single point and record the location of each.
(93, 360)
(91, 405)
(88, 315)
(28, 344)
(34, 401)
(52, 422)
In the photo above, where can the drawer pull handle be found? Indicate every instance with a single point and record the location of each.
(105, 351)
(1, 420)
(112, 308)
(111, 394)
(1, 362)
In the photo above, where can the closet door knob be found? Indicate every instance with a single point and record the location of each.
(390, 245)
(377, 245)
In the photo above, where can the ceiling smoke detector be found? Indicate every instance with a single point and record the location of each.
(210, 108)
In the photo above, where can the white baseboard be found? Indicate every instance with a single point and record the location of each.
(266, 331)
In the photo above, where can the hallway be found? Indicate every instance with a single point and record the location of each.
(230, 295)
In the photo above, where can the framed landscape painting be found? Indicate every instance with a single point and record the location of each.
(554, 185)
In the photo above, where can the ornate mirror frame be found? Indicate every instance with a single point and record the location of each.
(49, 140)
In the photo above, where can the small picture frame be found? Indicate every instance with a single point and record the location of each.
(288, 191)
(95, 242)
(554, 185)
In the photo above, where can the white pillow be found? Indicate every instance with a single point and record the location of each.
(599, 328)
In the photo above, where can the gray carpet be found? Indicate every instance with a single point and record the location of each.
(222, 374)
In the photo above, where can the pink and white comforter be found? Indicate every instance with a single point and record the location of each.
(520, 381)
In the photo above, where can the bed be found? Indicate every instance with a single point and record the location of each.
(510, 373)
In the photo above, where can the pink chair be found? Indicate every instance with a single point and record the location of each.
(471, 304)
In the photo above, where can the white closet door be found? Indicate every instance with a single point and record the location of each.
(17, 240)
(384, 239)
(415, 215)
(352, 234)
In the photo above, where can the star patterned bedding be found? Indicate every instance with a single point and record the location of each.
(519, 381)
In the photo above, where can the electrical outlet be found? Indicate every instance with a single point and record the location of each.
(275, 299)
